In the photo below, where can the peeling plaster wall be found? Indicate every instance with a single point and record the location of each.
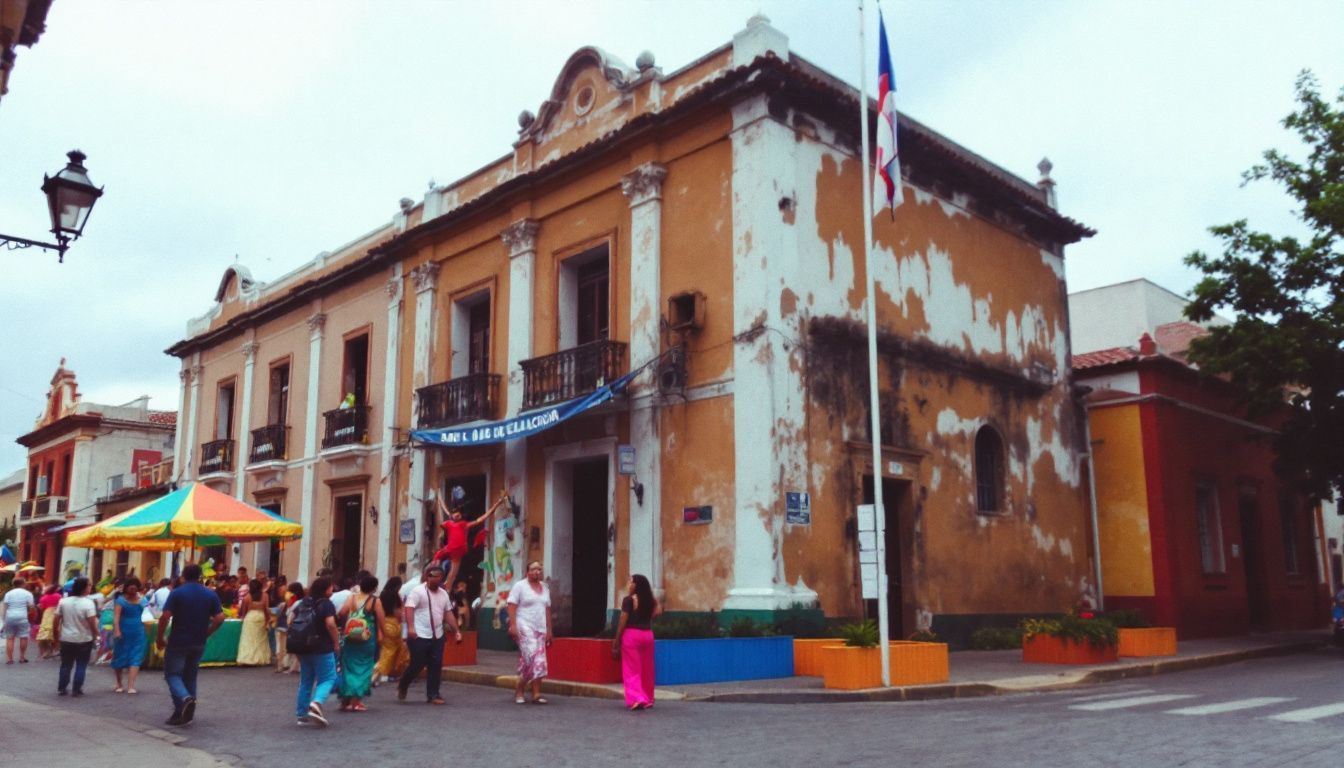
(974, 333)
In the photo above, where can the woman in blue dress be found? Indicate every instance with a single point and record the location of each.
(128, 634)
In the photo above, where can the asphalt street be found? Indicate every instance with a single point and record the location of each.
(1266, 712)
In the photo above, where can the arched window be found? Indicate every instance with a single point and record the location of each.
(988, 471)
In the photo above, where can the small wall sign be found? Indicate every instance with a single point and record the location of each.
(406, 531)
(798, 508)
(697, 515)
(625, 459)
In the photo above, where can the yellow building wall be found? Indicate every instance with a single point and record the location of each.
(1122, 501)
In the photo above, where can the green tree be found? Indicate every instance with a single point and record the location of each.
(1286, 344)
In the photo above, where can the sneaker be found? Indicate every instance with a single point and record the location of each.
(188, 709)
(61, 692)
(315, 714)
(303, 721)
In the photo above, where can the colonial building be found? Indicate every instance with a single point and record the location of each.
(1196, 530)
(703, 228)
(22, 23)
(77, 451)
(11, 494)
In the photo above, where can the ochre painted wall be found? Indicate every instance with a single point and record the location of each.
(1122, 501)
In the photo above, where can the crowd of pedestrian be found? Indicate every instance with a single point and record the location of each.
(343, 637)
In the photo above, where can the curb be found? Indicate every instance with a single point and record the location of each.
(969, 690)
(906, 693)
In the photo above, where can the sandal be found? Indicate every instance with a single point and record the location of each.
(117, 689)
(540, 700)
(131, 690)
(358, 707)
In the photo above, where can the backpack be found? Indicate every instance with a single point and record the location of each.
(357, 626)
(305, 632)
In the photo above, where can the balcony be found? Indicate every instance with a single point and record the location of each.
(216, 456)
(573, 372)
(43, 507)
(269, 443)
(346, 426)
(460, 400)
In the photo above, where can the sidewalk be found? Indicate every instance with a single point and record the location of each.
(89, 739)
(973, 673)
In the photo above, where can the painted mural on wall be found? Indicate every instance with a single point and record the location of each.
(502, 561)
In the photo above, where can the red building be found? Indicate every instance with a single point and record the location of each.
(77, 453)
(1196, 531)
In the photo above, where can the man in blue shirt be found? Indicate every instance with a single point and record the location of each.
(195, 613)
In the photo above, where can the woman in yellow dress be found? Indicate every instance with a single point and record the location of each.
(393, 656)
(254, 648)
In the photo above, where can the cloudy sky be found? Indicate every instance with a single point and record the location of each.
(268, 132)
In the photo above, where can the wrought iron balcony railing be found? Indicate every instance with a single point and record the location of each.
(216, 456)
(269, 443)
(346, 426)
(459, 400)
(573, 372)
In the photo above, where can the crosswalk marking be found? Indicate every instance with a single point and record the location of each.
(1135, 701)
(1100, 696)
(1228, 706)
(1309, 714)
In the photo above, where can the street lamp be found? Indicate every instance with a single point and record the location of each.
(70, 198)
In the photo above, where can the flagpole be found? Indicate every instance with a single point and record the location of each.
(876, 422)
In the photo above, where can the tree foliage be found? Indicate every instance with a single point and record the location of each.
(1286, 344)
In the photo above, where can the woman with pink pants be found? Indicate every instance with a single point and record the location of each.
(634, 643)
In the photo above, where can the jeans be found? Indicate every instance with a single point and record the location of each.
(76, 655)
(317, 676)
(425, 654)
(180, 666)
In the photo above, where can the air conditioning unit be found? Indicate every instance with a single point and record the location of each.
(672, 371)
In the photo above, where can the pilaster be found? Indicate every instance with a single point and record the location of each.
(425, 279)
(643, 189)
(316, 323)
(386, 520)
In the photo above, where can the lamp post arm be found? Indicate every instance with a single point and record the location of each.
(14, 243)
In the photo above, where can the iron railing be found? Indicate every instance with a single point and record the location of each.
(269, 443)
(459, 400)
(573, 372)
(346, 426)
(216, 456)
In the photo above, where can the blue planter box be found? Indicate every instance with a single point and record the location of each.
(719, 660)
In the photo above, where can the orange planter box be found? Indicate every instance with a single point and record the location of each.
(455, 655)
(912, 663)
(1047, 649)
(1149, 641)
(807, 654)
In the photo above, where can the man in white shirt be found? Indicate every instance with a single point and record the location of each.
(428, 612)
(159, 596)
(18, 608)
(77, 627)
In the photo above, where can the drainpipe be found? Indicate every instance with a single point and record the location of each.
(1092, 506)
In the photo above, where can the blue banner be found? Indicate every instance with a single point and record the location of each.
(522, 425)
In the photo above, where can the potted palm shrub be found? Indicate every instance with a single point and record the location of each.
(858, 663)
(1069, 639)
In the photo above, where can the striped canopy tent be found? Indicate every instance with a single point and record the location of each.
(194, 515)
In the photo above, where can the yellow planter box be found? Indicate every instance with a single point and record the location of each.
(1150, 641)
(912, 663)
(807, 654)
